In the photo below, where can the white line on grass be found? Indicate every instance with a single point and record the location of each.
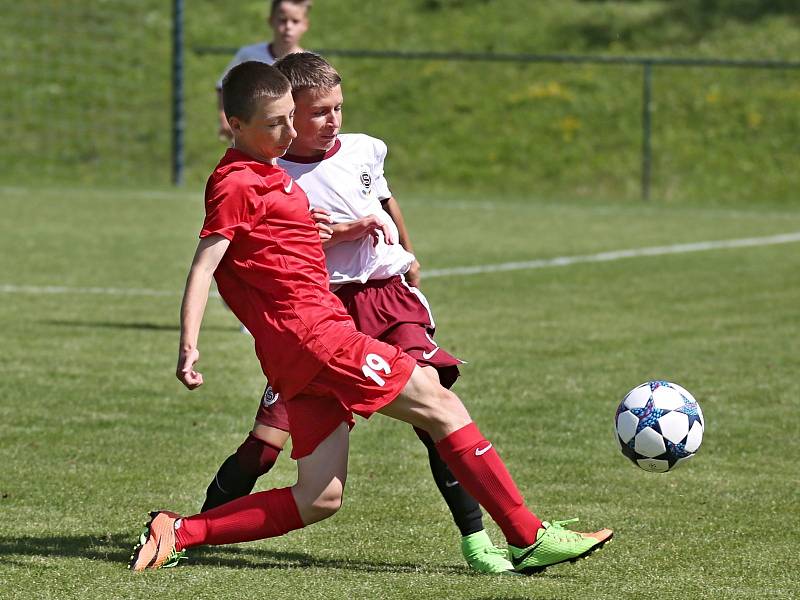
(563, 261)
(559, 261)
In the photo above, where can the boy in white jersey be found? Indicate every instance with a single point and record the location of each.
(373, 275)
(288, 20)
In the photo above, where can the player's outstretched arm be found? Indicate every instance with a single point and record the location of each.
(209, 253)
(393, 208)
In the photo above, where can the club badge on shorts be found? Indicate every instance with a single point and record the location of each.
(269, 398)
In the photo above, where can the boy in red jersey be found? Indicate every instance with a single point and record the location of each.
(376, 279)
(262, 246)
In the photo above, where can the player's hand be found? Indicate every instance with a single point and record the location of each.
(373, 224)
(185, 371)
(413, 274)
(323, 220)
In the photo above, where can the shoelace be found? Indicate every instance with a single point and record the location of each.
(174, 558)
(564, 533)
(560, 524)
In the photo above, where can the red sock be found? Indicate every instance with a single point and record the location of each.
(254, 517)
(482, 473)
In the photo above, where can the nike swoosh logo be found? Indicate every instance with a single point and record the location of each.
(517, 560)
(288, 187)
(482, 451)
(450, 484)
(428, 355)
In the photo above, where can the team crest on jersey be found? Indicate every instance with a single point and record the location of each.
(366, 179)
(269, 398)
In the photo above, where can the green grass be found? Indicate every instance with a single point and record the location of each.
(95, 430)
(91, 99)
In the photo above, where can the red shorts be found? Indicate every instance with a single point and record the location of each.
(361, 377)
(388, 310)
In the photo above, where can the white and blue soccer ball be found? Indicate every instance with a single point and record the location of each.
(659, 425)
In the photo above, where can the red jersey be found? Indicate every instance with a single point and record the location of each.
(273, 275)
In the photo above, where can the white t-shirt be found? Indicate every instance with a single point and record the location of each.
(259, 52)
(349, 183)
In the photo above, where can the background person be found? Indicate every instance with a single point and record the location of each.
(288, 20)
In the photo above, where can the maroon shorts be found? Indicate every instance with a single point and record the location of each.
(388, 310)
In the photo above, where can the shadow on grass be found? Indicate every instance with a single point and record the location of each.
(140, 326)
(117, 547)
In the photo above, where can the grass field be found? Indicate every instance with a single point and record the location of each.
(95, 430)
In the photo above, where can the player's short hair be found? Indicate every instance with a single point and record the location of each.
(273, 6)
(247, 82)
(306, 70)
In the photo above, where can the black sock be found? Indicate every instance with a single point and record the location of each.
(238, 474)
(230, 482)
(465, 509)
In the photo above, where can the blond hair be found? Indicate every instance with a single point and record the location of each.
(306, 70)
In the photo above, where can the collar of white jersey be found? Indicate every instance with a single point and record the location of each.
(305, 160)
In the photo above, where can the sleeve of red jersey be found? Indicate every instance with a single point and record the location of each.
(227, 209)
(379, 183)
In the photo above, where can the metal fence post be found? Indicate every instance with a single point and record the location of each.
(647, 114)
(178, 118)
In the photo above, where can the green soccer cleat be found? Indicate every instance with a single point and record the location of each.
(482, 556)
(156, 548)
(555, 544)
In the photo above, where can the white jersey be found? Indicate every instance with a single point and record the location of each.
(349, 183)
(258, 52)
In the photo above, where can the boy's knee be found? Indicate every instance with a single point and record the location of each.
(328, 504)
(428, 392)
(444, 414)
(445, 404)
(316, 507)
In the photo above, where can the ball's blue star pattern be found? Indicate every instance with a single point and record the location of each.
(648, 415)
(690, 409)
(675, 451)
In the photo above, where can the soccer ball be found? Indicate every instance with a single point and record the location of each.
(659, 425)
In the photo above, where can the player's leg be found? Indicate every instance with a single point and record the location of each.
(476, 546)
(465, 509)
(368, 376)
(473, 459)
(321, 477)
(317, 495)
(237, 476)
(395, 313)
